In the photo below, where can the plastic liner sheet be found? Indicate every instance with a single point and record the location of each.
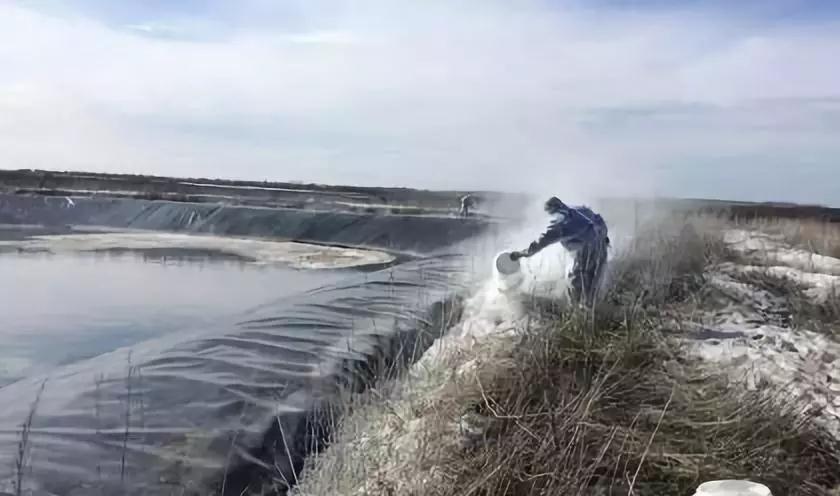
(195, 412)
(418, 234)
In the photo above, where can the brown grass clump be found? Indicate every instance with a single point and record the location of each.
(805, 313)
(665, 264)
(817, 236)
(619, 412)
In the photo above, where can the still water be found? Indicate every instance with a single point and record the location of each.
(60, 309)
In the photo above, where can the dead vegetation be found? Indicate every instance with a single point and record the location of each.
(619, 412)
(584, 403)
(816, 236)
(805, 312)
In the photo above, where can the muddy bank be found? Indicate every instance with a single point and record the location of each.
(403, 233)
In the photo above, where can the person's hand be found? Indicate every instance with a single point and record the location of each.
(516, 255)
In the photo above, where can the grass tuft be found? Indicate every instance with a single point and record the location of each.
(817, 236)
(619, 412)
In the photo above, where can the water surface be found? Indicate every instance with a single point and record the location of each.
(59, 309)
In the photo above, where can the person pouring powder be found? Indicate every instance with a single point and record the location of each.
(583, 233)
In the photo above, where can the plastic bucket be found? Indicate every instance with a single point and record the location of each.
(508, 272)
(505, 265)
(732, 488)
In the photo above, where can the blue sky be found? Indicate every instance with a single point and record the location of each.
(580, 98)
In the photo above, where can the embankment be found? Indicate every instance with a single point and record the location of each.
(415, 234)
(242, 192)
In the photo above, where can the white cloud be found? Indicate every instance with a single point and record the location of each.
(432, 94)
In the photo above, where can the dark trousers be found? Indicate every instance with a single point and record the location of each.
(587, 272)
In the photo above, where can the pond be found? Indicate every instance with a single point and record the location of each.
(57, 309)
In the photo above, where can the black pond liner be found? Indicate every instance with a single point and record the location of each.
(402, 233)
(240, 403)
(230, 406)
(291, 438)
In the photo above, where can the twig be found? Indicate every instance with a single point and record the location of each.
(650, 441)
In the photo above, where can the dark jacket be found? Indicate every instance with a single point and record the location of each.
(574, 228)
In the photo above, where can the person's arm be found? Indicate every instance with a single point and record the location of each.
(572, 225)
(553, 234)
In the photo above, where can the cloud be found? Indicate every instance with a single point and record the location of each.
(183, 31)
(536, 96)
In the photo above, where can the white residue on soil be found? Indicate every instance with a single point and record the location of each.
(396, 443)
(768, 249)
(396, 449)
(749, 333)
(295, 255)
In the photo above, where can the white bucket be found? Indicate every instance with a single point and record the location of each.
(507, 272)
(732, 488)
(506, 265)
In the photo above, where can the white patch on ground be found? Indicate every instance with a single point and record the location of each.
(295, 255)
(750, 338)
(396, 449)
(818, 287)
(491, 314)
(770, 249)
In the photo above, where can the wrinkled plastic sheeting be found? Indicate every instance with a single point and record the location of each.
(172, 415)
(421, 234)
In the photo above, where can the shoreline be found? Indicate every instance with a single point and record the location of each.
(254, 251)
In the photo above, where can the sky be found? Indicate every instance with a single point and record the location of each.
(579, 98)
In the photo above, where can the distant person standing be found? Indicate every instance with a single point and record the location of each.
(468, 202)
(583, 233)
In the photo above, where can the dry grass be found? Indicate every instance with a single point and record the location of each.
(805, 312)
(619, 412)
(593, 403)
(664, 264)
(816, 236)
